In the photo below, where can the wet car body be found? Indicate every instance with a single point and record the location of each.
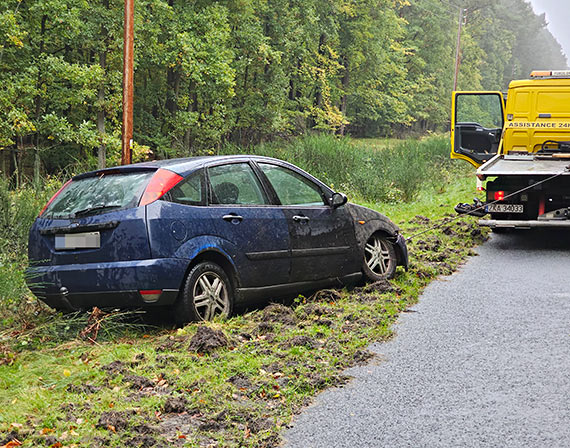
(244, 219)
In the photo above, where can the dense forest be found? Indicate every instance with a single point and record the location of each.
(244, 71)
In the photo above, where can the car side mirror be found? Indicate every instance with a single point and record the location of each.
(338, 199)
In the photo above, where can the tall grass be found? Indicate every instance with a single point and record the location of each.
(18, 209)
(393, 174)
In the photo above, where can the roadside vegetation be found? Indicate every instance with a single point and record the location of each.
(112, 379)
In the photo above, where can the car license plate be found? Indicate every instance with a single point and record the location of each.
(89, 240)
(505, 208)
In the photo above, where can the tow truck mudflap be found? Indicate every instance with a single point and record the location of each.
(514, 224)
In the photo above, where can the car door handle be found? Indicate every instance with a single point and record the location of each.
(232, 217)
(299, 218)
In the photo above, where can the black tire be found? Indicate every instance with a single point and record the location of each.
(380, 259)
(207, 293)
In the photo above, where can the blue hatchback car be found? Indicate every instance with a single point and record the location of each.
(202, 234)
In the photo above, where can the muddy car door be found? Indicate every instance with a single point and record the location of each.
(322, 236)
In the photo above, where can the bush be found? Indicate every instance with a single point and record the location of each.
(392, 174)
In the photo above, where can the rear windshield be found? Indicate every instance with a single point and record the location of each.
(101, 194)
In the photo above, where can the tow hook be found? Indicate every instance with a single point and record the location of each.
(475, 209)
(560, 214)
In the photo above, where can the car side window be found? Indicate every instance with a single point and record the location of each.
(189, 191)
(235, 184)
(291, 187)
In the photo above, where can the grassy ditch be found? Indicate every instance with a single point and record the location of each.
(225, 384)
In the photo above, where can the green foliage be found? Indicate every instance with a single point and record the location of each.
(359, 169)
(209, 73)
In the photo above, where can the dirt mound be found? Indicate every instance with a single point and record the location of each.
(419, 219)
(380, 287)
(142, 441)
(315, 309)
(240, 380)
(300, 341)
(278, 313)
(206, 340)
(113, 420)
(115, 367)
(326, 295)
(264, 328)
(138, 382)
(175, 405)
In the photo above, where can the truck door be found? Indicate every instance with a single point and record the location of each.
(477, 120)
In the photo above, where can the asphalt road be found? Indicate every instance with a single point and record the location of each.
(484, 361)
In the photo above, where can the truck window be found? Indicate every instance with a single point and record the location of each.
(484, 110)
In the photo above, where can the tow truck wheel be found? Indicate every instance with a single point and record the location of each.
(379, 258)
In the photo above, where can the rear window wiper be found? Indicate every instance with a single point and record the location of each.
(95, 208)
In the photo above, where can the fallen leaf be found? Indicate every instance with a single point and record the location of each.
(46, 431)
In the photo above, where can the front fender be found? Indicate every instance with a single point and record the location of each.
(367, 222)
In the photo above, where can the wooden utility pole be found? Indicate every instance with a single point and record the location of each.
(128, 79)
(458, 48)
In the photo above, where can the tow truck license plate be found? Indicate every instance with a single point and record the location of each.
(505, 208)
(90, 240)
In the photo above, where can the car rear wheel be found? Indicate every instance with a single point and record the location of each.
(379, 258)
(207, 294)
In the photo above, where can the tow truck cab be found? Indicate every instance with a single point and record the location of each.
(516, 141)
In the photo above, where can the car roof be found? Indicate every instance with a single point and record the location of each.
(187, 165)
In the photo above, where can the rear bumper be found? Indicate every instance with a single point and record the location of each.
(513, 224)
(116, 284)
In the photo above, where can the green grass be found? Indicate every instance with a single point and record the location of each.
(54, 386)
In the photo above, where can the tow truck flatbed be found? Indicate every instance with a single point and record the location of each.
(530, 164)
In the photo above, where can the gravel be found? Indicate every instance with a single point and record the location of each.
(482, 362)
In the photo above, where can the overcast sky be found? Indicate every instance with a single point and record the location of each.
(558, 18)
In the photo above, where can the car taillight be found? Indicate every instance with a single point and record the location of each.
(54, 196)
(160, 183)
(150, 295)
(499, 195)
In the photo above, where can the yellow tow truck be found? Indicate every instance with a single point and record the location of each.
(520, 145)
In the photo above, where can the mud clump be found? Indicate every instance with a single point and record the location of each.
(206, 340)
(113, 420)
(326, 295)
(260, 424)
(142, 441)
(10, 437)
(361, 357)
(300, 341)
(264, 328)
(172, 343)
(138, 382)
(278, 313)
(175, 405)
(240, 381)
(115, 367)
(420, 219)
(314, 309)
(380, 287)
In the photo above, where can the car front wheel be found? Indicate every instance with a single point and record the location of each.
(379, 258)
(207, 293)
